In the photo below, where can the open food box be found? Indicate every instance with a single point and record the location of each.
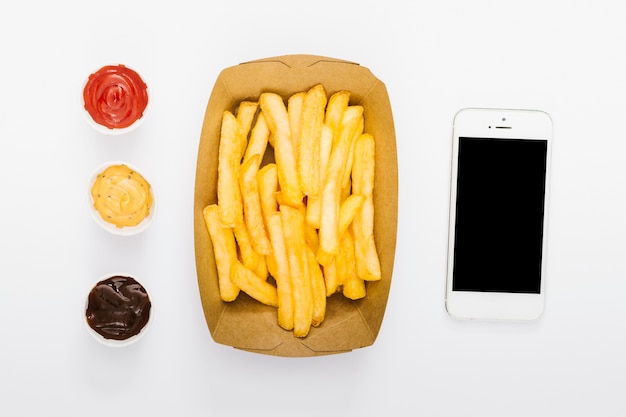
(245, 323)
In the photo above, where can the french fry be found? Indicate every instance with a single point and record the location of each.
(353, 286)
(294, 111)
(364, 166)
(281, 271)
(252, 285)
(311, 131)
(331, 277)
(367, 261)
(329, 226)
(318, 288)
(248, 256)
(348, 210)
(225, 251)
(326, 146)
(337, 104)
(311, 237)
(245, 115)
(293, 229)
(259, 138)
(278, 196)
(313, 204)
(270, 263)
(278, 122)
(253, 215)
(268, 186)
(347, 168)
(228, 192)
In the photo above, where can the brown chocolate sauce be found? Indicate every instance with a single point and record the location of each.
(118, 307)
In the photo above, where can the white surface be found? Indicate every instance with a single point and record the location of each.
(566, 58)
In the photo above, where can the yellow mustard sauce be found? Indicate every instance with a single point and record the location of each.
(121, 196)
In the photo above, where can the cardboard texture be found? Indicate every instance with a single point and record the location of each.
(245, 323)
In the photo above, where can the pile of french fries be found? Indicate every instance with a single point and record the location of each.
(304, 218)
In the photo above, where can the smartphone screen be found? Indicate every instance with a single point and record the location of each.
(498, 235)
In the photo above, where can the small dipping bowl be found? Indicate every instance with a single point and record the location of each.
(115, 99)
(121, 200)
(118, 310)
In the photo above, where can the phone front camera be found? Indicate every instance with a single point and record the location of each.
(504, 119)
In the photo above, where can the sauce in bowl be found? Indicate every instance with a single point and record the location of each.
(118, 308)
(121, 196)
(115, 97)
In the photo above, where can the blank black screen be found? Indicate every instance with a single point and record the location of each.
(499, 215)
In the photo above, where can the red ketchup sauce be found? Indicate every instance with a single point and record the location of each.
(115, 96)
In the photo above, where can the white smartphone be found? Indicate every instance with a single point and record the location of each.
(498, 214)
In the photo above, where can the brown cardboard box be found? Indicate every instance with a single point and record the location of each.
(245, 323)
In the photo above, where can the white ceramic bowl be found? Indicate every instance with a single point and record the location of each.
(107, 96)
(123, 191)
(128, 287)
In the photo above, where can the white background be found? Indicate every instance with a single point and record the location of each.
(435, 57)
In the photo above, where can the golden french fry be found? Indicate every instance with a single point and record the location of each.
(348, 210)
(350, 128)
(262, 268)
(228, 192)
(310, 136)
(293, 229)
(259, 138)
(346, 192)
(270, 263)
(268, 187)
(294, 111)
(329, 223)
(277, 119)
(367, 261)
(337, 104)
(224, 249)
(249, 257)
(255, 287)
(364, 165)
(313, 211)
(347, 168)
(326, 147)
(281, 271)
(245, 115)
(311, 237)
(318, 288)
(278, 196)
(353, 286)
(253, 215)
(313, 204)
(270, 140)
(331, 277)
